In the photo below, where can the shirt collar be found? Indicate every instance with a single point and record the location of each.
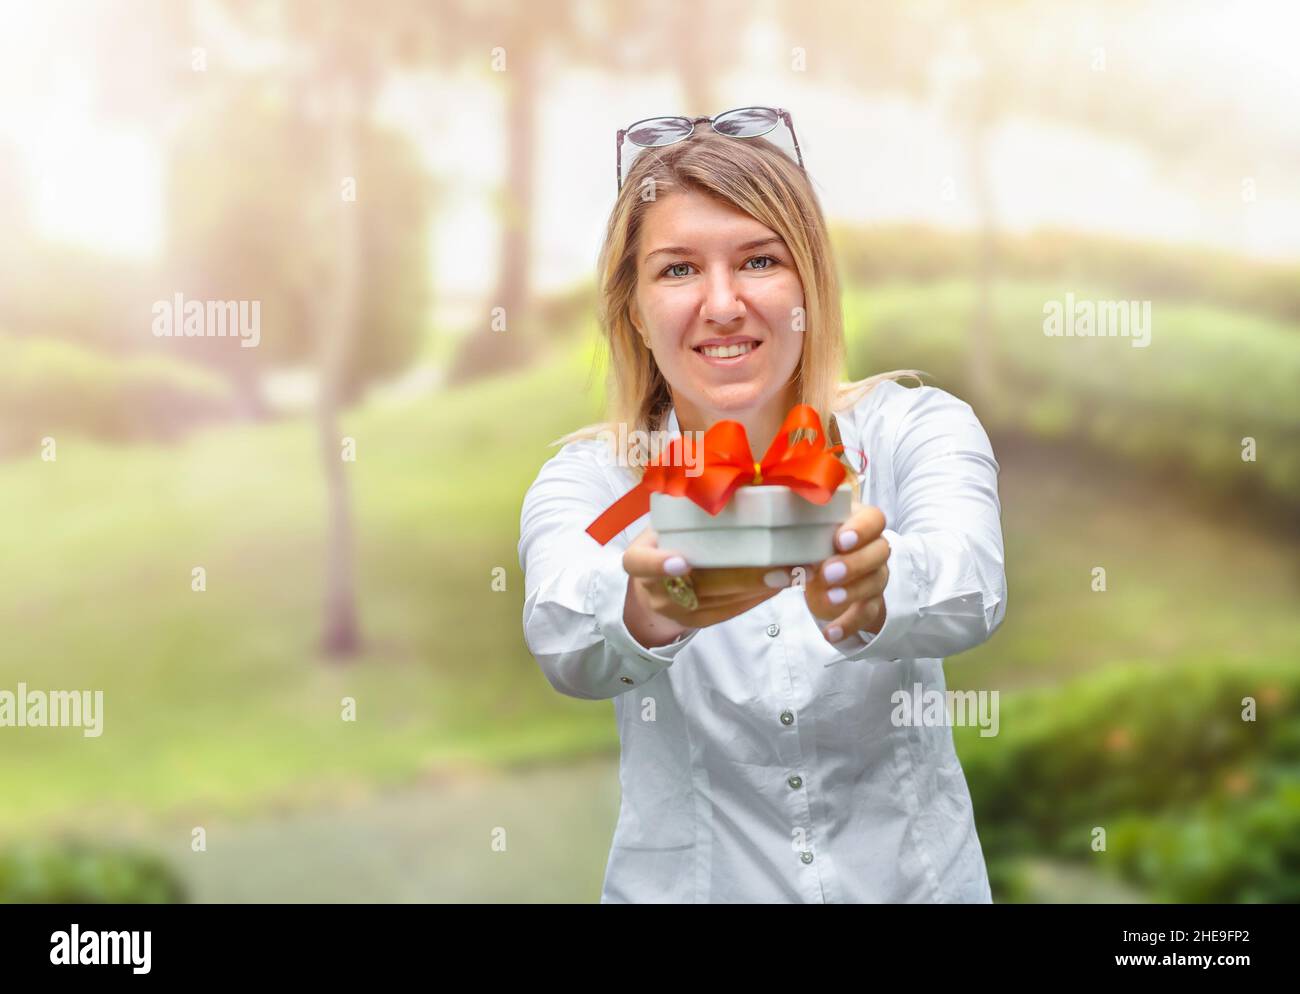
(671, 426)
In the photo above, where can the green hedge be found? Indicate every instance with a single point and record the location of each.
(80, 873)
(1207, 379)
(49, 386)
(1221, 852)
(1197, 803)
(1130, 269)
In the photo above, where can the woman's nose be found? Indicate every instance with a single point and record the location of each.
(722, 305)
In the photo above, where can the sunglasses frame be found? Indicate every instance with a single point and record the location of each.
(782, 115)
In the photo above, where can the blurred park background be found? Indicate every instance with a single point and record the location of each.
(380, 177)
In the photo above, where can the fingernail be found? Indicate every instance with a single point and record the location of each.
(834, 634)
(834, 571)
(676, 566)
(848, 539)
(836, 595)
(777, 578)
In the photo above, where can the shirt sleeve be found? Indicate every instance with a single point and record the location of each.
(575, 588)
(947, 589)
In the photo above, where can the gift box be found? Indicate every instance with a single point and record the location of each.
(736, 511)
(759, 526)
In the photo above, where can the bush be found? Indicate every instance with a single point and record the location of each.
(78, 873)
(1198, 804)
(1127, 269)
(1184, 403)
(48, 387)
(1221, 853)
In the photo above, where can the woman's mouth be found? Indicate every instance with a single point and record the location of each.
(727, 355)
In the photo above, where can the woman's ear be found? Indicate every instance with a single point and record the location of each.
(635, 318)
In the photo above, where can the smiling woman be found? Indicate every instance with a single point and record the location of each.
(755, 769)
(723, 318)
(721, 283)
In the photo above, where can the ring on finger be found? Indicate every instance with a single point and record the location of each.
(682, 591)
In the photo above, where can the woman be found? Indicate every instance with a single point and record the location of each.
(763, 758)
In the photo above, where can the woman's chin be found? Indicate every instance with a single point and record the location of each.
(733, 399)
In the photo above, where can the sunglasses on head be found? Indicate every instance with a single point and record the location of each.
(743, 122)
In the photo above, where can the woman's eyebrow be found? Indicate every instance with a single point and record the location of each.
(681, 250)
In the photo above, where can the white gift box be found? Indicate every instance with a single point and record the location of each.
(767, 525)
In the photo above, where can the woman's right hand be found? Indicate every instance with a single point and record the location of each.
(654, 618)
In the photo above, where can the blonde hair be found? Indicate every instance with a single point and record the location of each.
(756, 177)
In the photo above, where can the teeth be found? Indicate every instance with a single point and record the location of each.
(727, 351)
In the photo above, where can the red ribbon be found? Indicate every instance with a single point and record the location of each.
(807, 467)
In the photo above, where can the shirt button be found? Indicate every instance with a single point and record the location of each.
(774, 630)
(806, 856)
(795, 782)
(626, 679)
(787, 718)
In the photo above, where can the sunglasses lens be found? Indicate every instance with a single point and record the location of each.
(659, 131)
(747, 122)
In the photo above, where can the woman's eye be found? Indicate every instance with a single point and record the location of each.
(686, 266)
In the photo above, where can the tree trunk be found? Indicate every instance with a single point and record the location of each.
(697, 62)
(486, 350)
(246, 383)
(512, 280)
(338, 327)
(984, 110)
(981, 358)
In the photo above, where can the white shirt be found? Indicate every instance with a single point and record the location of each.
(759, 762)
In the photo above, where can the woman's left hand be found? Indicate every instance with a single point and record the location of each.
(848, 588)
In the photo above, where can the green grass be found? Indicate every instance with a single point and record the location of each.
(1182, 583)
(218, 704)
(219, 700)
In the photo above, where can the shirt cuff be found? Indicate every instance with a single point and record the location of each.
(606, 597)
(903, 597)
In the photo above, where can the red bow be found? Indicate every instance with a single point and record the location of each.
(807, 467)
